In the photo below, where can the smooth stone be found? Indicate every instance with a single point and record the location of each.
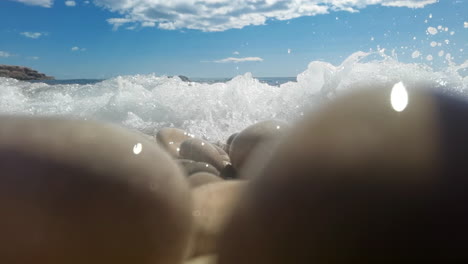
(70, 194)
(190, 167)
(229, 142)
(202, 151)
(207, 259)
(223, 154)
(202, 178)
(247, 140)
(213, 205)
(359, 182)
(171, 139)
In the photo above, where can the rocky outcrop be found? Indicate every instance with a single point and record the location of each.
(22, 73)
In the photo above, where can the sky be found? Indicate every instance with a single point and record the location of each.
(223, 38)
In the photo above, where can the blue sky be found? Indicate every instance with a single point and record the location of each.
(208, 38)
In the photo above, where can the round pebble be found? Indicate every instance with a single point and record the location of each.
(170, 139)
(202, 178)
(201, 151)
(207, 259)
(360, 182)
(213, 205)
(260, 133)
(229, 142)
(70, 194)
(190, 167)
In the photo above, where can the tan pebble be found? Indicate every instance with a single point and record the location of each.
(246, 141)
(70, 194)
(223, 154)
(207, 259)
(171, 138)
(213, 205)
(202, 178)
(190, 167)
(201, 151)
(356, 182)
(229, 142)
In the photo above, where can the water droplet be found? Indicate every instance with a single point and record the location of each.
(432, 30)
(399, 97)
(415, 54)
(138, 148)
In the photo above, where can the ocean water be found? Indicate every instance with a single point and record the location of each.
(214, 109)
(273, 81)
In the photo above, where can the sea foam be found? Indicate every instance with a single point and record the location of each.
(214, 111)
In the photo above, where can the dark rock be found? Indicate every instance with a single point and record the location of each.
(22, 73)
(182, 78)
(229, 172)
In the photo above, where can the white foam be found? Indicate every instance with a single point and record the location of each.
(214, 111)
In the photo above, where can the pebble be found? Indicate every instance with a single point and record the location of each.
(247, 140)
(70, 194)
(358, 182)
(213, 205)
(202, 151)
(202, 178)
(190, 167)
(171, 139)
(229, 142)
(207, 259)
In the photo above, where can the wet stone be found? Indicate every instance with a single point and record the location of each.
(192, 167)
(246, 141)
(171, 139)
(202, 151)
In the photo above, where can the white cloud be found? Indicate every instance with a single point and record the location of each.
(86, 2)
(4, 54)
(148, 24)
(220, 15)
(465, 24)
(43, 3)
(33, 35)
(236, 53)
(33, 58)
(78, 49)
(237, 60)
(70, 3)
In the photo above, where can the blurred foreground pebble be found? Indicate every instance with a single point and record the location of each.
(376, 176)
(213, 205)
(81, 192)
(202, 178)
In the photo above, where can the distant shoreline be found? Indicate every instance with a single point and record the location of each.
(22, 73)
(273, 81)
